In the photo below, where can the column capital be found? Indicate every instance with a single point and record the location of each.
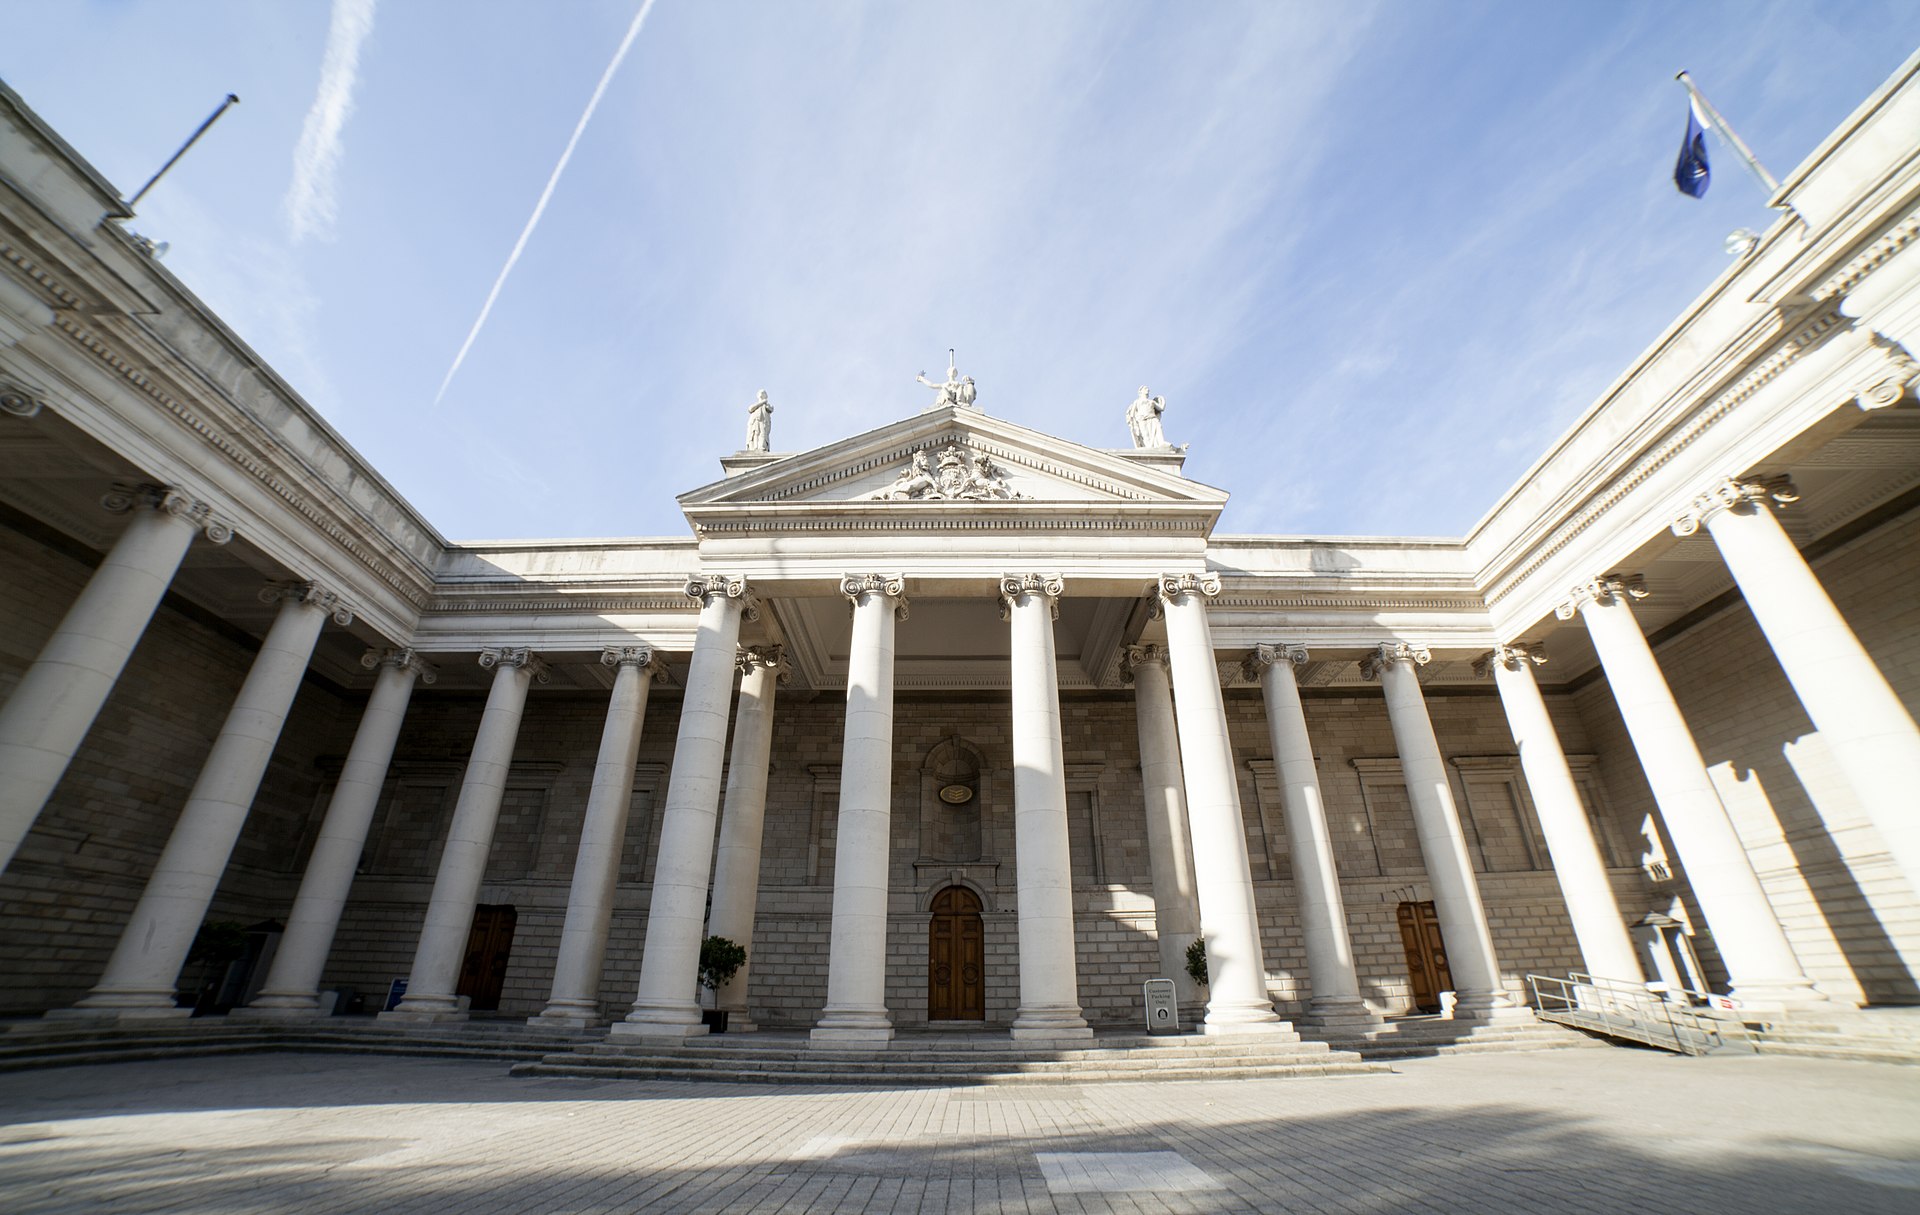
(642, 656)
(1013, 586)
(1390, 652)
(403, 658)
(17, 400)
(1266, 654)
(894, 586)
(1742, 495)
(515, 656)
(1603, 591)
(1515, 657)
(146, 495)
(310, 593)
(750, 658)
(1172, 586)
(1142, 655)
(703, 587)
(1894, 380)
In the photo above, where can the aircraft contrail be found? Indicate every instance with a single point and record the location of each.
(539, 208)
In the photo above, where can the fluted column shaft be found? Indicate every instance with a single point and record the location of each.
(1049, 978)
(1860, 718)
(53, 706)
(1760, 961)
(293, 983)
(856, 1011)
(736, 870)
(1176, 901)
(575, 998)
(145, 966)
(666, 1005)
(1334, 984)
(1597, 923)
(1443, 845)
(1237, 999)
(432, 984)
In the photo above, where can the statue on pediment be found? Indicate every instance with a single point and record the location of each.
(1143, 420)
(760, 424)
(956, 390)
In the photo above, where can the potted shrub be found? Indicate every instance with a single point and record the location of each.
(720, 959)
(1197, 960)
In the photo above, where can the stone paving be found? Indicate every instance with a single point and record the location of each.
(1600, 1130)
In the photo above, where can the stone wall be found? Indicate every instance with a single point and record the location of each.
(1849, 915)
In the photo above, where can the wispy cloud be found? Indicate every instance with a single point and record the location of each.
(539, 208)
(309, 203)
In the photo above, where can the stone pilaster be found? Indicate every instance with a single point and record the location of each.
(1764, 971)
(856, 1012)
(1335, 985)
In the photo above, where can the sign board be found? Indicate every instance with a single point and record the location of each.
(1723, 1003)
(1163, 1012)
(396, 991)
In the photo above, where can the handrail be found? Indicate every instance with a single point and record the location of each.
(1629, 1010)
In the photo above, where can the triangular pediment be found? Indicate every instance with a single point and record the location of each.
(956, 458)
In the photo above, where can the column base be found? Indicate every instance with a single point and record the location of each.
(1342, 1015)
(567, 1014)
(654, 1031)
(1778, 996)
(278, 1012)
(1041, 1025)
(1482, 1006)
(1249, 1018)
(851, 1029)
(109, 1014)
(738, 1022)
(427, 1010)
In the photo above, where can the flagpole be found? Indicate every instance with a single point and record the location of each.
(1740, 148)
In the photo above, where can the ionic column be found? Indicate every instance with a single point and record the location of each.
(435, 975)
(1872, 736)
(1443, 846)
(1049, 979)
(1176, 905)
(1237, 999)
(145, 966)
(293, 984)
(736, 870)
(1335, 986)
(856, 1011)
(1760, 962)
(575, 999)
(1597, 923)
(666, 1005)
(53, 706)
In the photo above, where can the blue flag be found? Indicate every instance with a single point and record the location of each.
(1690, 172)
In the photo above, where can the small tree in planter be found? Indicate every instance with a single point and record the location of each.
(1197, 960)
(720, 960)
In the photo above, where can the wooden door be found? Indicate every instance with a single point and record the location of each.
(956, 958)
(1426, 954)
(483, 972)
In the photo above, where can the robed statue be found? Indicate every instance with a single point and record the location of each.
(956, 390)
(760, 424)
(1143, 419)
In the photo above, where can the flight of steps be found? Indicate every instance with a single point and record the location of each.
(1426, 1037)
(775, 1058)
(32, 1044)
(1890, 1035)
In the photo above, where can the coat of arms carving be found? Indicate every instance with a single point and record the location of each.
(958, 474)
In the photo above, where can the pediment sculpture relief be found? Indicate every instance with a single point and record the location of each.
(957, 475)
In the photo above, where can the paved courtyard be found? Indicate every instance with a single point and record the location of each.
(1579, 1130)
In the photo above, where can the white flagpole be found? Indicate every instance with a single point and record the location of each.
(1740, 148)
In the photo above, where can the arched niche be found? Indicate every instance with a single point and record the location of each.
(953, 791)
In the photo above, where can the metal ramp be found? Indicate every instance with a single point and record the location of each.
(1675, 1020)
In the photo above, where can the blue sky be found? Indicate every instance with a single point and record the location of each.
(1375, 256)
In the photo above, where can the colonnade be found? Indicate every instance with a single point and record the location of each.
(1197, 845)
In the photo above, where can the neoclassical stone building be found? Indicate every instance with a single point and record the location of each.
(956, 721)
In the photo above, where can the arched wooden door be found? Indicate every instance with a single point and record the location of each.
(956, 958)
(1426, 955)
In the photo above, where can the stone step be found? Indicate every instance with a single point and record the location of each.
(742, 1055)
(1854, 1050)
(910, 1062)
(978, 1075)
